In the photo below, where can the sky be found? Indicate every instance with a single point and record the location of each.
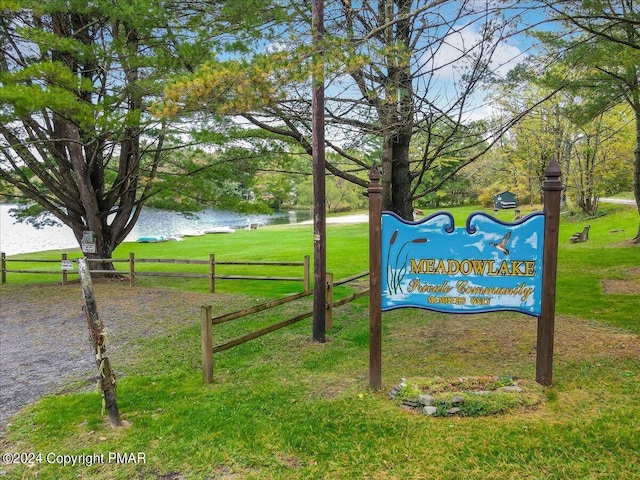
(448, 44)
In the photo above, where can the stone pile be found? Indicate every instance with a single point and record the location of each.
(427, 404)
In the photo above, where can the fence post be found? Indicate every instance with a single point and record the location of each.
(206, 334)
(3, 265)
(64, 271)
(212, 273)
(375, 266)
(132, 269)
(329, 315)
(307, 270)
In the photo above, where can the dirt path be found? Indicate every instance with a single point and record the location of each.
(44, 341)
(622, 201)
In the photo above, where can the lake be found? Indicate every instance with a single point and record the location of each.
(23, 238)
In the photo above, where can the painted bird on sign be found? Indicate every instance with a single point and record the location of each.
(502, 244)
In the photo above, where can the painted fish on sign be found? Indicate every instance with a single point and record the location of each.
(487, 265)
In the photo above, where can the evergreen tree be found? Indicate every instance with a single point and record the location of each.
(76, 83)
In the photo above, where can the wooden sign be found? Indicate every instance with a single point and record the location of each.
(487, 265)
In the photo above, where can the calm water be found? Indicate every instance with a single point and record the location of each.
(22, 238)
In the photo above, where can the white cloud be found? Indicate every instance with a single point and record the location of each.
(463, 43)
(445, 67)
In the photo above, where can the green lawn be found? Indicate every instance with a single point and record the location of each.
(284, 407)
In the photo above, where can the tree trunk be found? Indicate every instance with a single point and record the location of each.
(636, 171)
(401, 177)
(96, 330)
(398, 115)
(103, 245)
(387, 171)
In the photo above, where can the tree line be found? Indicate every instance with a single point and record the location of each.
(107, 106)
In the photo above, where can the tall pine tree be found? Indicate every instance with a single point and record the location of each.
(76, 83)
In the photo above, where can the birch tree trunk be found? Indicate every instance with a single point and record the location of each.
(96, 330)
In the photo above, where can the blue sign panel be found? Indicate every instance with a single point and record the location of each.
(486, 266)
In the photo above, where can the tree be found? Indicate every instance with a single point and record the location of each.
(597, 150)
(600, 43)
(76, 82)
(542, 134)
(395, 70)
(592, 151)
(192, 178)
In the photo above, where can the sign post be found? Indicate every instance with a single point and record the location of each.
(375, 311)
(546, 322)
(319, 194)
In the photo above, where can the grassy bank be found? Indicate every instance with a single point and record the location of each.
(284, 407)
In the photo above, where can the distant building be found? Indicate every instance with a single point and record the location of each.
(505, 200)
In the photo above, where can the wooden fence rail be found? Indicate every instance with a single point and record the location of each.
(207, 321)
(67, 269)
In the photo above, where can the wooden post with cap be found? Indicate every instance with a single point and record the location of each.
(318, 161)
(375, 302)
(546, 322)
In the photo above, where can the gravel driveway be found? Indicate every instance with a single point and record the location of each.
(44, 340)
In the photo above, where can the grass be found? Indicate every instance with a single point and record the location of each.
(283, 407)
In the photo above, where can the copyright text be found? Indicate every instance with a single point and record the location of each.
(82, 459)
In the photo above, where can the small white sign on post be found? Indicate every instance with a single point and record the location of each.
(88, 244)
(88, 247)
(67, 265)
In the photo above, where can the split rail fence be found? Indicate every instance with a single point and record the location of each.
(67, 268)
(207, 321)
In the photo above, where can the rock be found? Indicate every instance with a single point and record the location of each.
(410, 403)
(392, 394)
(510, 388)
(425, 399)
(453, 411)
(458, 400)
(429, 410)
(483, 392)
